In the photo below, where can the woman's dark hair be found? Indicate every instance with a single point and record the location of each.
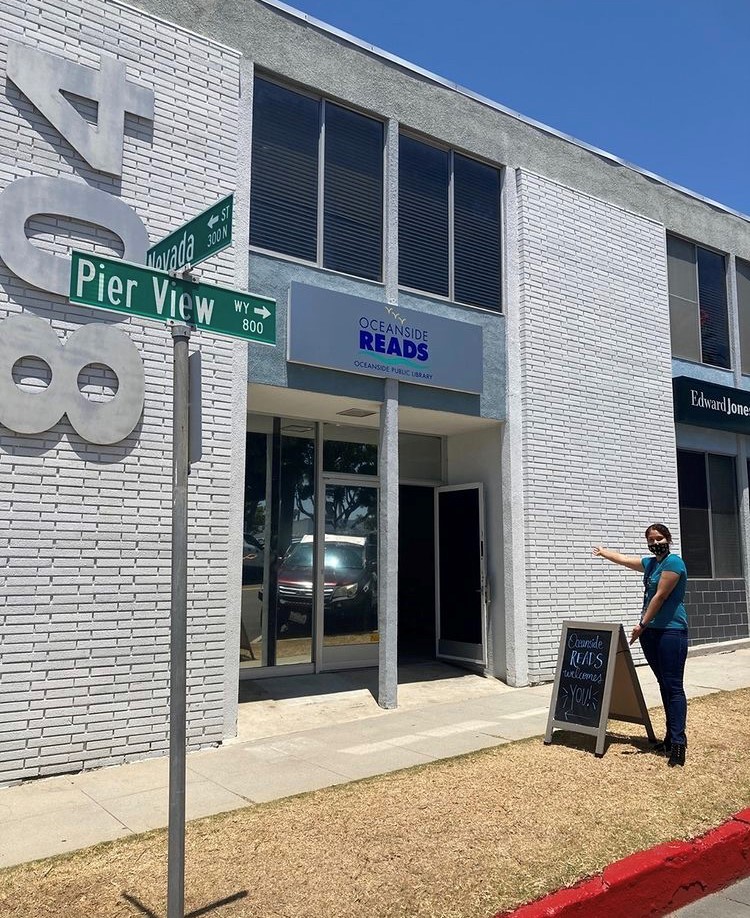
(661, 529)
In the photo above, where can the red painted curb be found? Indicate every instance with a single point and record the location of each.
(653, 883)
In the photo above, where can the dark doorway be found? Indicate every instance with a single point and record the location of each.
(462, 578)
(416, 573)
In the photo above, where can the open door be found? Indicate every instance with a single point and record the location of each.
(461, 579)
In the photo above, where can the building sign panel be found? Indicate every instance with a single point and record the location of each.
(705, 404)
(339, 331)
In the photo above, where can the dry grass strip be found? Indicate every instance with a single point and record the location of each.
(461, 838)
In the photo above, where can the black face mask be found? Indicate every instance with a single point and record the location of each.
(659, 549)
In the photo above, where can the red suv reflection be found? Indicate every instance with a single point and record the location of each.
(349, 586)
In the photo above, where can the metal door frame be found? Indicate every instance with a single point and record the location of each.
(483, 582)
(356, 659)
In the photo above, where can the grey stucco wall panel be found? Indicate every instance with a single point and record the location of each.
(299, 51)
(268, 365)
(491, 404)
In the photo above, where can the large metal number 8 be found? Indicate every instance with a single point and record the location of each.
(34, 412)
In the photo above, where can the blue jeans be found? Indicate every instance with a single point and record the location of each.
(665, 650)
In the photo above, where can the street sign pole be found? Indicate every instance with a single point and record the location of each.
(178, 628)
(183, 303)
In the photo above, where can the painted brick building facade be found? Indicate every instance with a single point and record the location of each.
(582, 280)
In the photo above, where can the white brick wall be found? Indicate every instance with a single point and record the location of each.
(598, 450)
(85, 530)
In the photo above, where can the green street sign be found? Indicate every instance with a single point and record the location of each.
(110, 283)
(203, 236)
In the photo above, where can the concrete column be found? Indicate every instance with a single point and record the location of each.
(390, 246)
(241, 231)
(743, 448)
(733, 318)
(743, 454)
(388, 454)
(388, 553)
(514, 568)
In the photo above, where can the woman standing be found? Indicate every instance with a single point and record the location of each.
(662, 629)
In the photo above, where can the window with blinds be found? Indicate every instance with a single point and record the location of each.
(698, 303)
(449, 224)
(423, 179)
(332, 216)
(353, 193)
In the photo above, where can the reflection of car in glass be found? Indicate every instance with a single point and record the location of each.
(349, 585)
(252, 560)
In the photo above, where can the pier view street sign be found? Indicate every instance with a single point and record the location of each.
(110, 283)
(194, 242)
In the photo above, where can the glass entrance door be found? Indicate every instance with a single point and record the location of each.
(461, 576)
(348, 561)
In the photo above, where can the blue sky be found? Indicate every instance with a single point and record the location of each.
(664, 84)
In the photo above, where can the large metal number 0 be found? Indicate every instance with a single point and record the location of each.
(38, 194)
(34, 412)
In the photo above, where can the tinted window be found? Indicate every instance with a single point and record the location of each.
(350, 458)
(422, 216)
(290, 133)
(698, 317)
(743, 303)
(694, 516)
(284, 187)
(725, 524)
(449, 208)
(353, 193)
(709, 515)
(712, 295)
(476, 203)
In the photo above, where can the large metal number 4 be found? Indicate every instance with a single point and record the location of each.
(43, 78)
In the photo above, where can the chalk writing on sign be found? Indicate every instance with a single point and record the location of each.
(582, 677)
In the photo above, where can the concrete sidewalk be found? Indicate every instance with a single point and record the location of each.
(732, 902)
(302, 733)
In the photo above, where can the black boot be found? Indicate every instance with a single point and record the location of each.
(664, 747)
(677, 756)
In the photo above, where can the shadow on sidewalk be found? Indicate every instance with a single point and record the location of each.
(279, 688)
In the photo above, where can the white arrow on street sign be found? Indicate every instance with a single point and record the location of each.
(205, 235)
(262, 311)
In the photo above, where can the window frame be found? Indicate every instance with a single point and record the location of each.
(322, 100)
(738, 499)
(743, 357)
(452, 151)
(727, 281)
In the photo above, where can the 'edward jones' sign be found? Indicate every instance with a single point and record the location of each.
(706, 404)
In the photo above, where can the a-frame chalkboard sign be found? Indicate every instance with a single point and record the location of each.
(595, 681)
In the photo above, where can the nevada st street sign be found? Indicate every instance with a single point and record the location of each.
(194, 242)
(110, 283)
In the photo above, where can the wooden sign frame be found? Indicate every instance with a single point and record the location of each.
(622, 698)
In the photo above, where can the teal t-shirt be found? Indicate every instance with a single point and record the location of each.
(672, 614)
